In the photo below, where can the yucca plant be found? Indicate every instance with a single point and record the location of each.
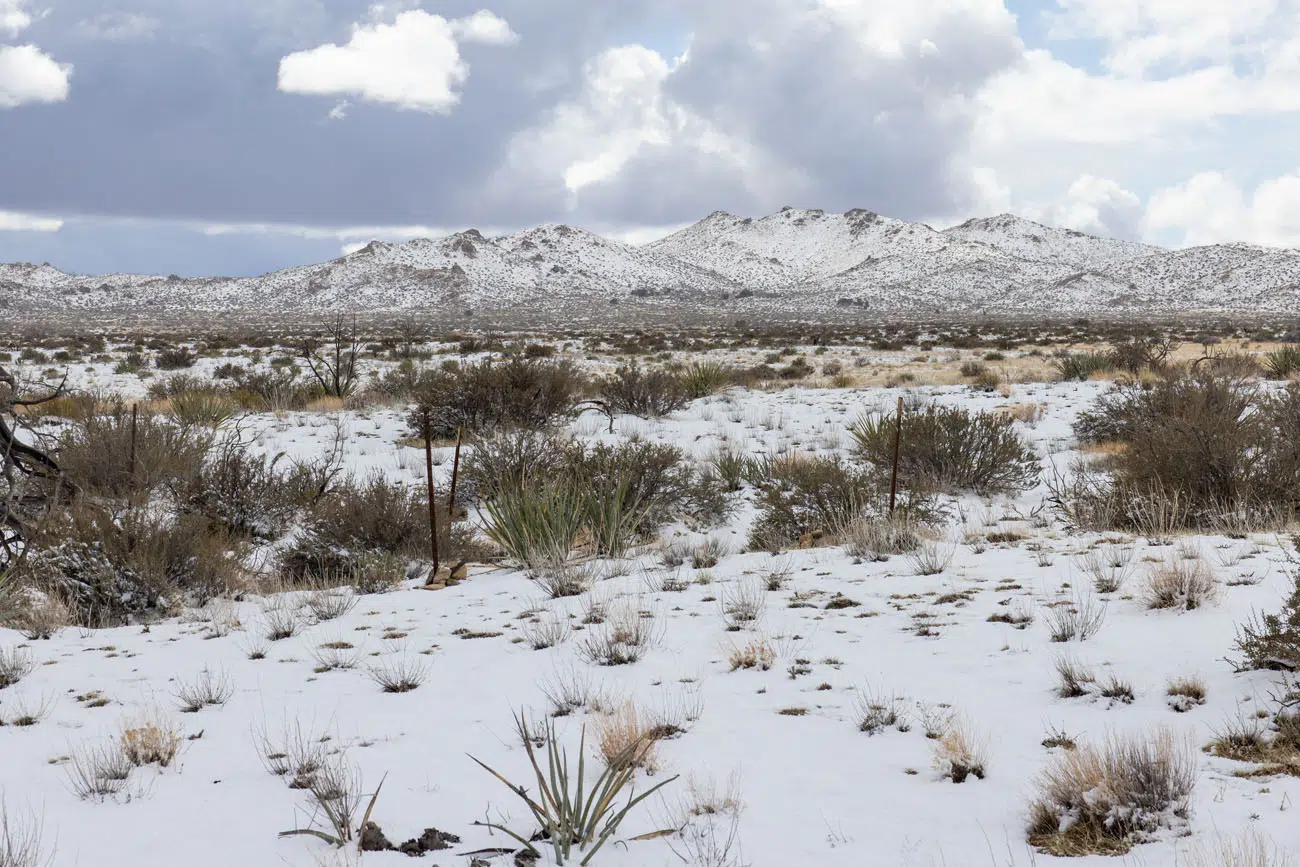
(1081, 365)
(572, 816)
(704, 378)
(535, 524)
(611, 513)
(203, 407)
(1282, 363)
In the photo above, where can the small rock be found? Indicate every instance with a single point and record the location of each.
(373, 839)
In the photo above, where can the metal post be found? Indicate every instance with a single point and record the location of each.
(433, 514)
(898, 441)
(455, 470)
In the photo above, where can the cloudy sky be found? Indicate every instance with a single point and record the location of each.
(238, 136)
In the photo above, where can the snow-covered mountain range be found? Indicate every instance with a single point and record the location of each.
(795, 261)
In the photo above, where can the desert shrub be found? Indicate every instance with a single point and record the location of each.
(243, 492)
(176, 358)
(1180, 583)
(658, 481)
(506, 459)
(22, 840)
(360, 519)
(704, 378)
(536, 524)
(960, 755)
(972, 369)
(108, 570)
(806, 499)
(950, 449)
(733, 467)
(568, 818)
(491, 394)
(624, 490)
(1273, 640)
(96, 454)
(1102, 799)
(277, 389)
(648, 392)
(1205, 448)
(878, 538)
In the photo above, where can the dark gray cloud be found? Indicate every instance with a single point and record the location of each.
(174, 115)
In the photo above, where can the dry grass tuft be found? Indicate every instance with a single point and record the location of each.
(1180, 583)
(153, 741)
(627, 732)
(959, 755)
(1103, 799)
(758, 653)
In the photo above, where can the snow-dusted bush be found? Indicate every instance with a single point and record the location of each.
(1102, 799)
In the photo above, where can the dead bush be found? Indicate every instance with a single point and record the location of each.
(96, 454)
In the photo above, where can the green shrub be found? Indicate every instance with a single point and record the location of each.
(949, 449)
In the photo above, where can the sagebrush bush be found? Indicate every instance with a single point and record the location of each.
(1199, 449)
(649, 392)
(949, 449)
(96, 454)
(807, 500)
(492, 394)
(1102, 799)
(360, 519)
(1273, 640)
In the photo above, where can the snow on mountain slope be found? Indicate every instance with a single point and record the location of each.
(795, 261)
(1032, 241)
(795, 246)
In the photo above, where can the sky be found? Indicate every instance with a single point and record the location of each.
(234, 137)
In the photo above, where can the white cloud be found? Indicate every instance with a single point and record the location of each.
(28, 75)
(1098, 206)
(413, 62)
(1144, 35)
(14, 19)
(484, 27)
(12, 221)
(1210, 208)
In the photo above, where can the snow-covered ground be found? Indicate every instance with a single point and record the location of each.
(812, 788)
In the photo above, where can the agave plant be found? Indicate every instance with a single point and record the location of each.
(571, 815)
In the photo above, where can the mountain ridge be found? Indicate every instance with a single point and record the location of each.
(794, 260)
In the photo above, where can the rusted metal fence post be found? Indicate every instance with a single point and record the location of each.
(433, 511)
(455, 470)
(898, 442)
